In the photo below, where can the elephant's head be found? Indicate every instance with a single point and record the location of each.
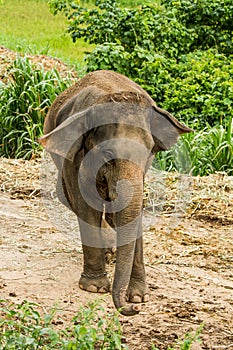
(116, 142)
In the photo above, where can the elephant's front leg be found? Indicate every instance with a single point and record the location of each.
(138, 291)
(94, 277)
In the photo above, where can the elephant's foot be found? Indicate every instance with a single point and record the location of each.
(137, 292)
(95, 284)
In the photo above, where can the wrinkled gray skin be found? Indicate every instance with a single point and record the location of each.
(115, 119)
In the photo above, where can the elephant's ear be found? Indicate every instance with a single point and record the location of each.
(165, 129)
(67, 138)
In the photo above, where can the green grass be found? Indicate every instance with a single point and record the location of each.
(201, 153)
(24, 102)
(28, 26)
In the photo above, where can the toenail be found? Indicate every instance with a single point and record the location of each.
(92, 288)
(136, 299)
(146, 298)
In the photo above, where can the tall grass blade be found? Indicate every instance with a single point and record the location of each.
(24, 103)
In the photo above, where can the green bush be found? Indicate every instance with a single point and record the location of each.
(198, 87)
(157, 47)
(211, 21)
(173, 29)
(149, 26)
(108, 56)
(25, 100)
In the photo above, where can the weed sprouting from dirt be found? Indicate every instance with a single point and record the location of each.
(187, 341)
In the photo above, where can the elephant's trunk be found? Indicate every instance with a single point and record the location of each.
(128, 222)
(124, 263)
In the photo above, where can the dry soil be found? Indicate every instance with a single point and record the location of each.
(188, 243)
(189, 260)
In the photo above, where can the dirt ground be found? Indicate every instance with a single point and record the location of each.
(188, 244)
(189, 260)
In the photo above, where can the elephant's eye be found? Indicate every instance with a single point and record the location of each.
(108, 155)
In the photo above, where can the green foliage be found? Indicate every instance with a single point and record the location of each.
(198, 87)
(91, 329)
(149, 26)
(24, 102)
(211, 21)
(109, 56)
(173, 29)
(162, 49)
(23, 327)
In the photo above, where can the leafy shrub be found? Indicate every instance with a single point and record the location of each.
(150, 26)
(23, 327)
(210, 19)
(130, 3)
(175, 28)
(109, 56)
(25, 100)
(200, 87)
(153, 45)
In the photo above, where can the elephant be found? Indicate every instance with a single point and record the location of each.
(102, 134)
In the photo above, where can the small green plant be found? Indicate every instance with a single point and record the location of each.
(187, 342)
(23, 327)
(24, 102)
(91, 329)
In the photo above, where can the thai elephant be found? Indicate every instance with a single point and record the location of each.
(103, 133)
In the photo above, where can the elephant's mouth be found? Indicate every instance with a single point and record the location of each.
(106, 183)
(102, 188)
